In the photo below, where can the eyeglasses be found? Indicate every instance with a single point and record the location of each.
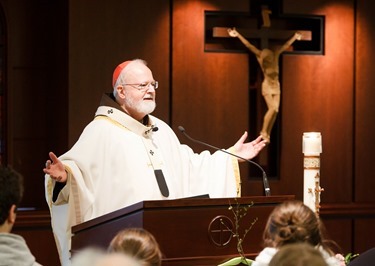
(144, 86)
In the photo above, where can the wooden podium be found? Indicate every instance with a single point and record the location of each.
(189, 231)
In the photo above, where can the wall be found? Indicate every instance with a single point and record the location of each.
(326, 93)
(35, 37)
(110, 34)
(61, 56)
(36, 78)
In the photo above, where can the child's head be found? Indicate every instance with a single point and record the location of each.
(292, 222)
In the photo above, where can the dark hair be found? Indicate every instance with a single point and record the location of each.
(292, 222)
(298, 254)
(138, 243)
(11, 191)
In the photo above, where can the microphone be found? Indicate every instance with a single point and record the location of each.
(154, 128)
(266, 185)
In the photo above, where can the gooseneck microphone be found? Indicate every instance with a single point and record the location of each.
(267, 189)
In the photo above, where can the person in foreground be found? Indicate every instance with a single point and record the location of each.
(293, 222)
(125, 155)
(91, 256)
(13, 248)
(137, 243)
(298, 254)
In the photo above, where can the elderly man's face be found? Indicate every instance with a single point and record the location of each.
(138, 103)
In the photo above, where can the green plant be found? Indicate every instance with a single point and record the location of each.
(239, 212)
(349, 257)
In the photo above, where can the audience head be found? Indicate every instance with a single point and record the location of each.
(298, 254)
(98, 257)
(138, 243)
(11, 191)
(292, 222)
(117, 259)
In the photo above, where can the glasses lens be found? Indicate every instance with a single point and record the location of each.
(155, 84)
(145, 86)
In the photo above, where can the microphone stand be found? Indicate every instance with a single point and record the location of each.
(267, 189)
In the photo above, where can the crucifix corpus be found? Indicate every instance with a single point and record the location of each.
(316, 192)
(268, 59)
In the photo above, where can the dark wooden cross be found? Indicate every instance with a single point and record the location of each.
(265, 25)
(265, 33)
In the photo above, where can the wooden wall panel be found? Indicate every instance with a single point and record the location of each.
(359, 236)
(36, 56)
(103, 36)
(318, 96)
(61, 56)
(364, 126)
(338, 234)
(363, 234)
(209, 89)
(364, 174)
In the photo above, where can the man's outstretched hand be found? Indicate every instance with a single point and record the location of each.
(55, 169)
(250, 149)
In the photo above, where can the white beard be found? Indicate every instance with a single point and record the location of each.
(144, 107)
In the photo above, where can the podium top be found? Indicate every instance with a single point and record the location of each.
(196, 202)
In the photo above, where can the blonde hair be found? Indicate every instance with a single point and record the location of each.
(138, 243)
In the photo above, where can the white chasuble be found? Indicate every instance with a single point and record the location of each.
(113, 164)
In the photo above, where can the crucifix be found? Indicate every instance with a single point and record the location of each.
(268, 59)
(266, 34)
(317, 190)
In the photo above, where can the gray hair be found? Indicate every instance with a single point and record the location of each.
(123, 75)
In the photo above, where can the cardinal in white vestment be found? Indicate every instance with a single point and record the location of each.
(125, 155)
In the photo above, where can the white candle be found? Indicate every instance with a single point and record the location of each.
(312, 143)
(312, 148)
